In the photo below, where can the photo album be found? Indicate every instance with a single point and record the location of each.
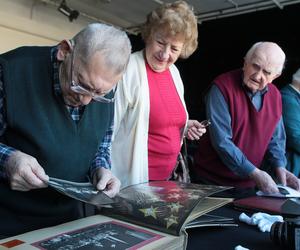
(152, 215)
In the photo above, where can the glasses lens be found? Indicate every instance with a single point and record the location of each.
(78, 89)
(103, 99)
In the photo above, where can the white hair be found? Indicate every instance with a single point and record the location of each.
(296, 76)
(279, 58)
(111, 42)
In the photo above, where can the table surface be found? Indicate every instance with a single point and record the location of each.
(227, 238)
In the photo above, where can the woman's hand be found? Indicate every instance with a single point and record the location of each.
(195, 130)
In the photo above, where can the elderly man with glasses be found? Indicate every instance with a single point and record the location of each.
(56, 119)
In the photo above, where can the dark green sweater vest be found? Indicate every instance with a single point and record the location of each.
(40, 125)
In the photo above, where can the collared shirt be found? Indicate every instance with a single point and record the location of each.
(221, 134)
(103, 154)
(297, 90)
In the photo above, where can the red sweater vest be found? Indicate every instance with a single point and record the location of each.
(252, 130)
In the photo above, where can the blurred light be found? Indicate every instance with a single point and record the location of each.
(71, 14)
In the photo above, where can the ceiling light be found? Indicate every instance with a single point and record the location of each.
(71, 14)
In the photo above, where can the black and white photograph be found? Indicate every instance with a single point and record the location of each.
(109, 235)
(84, 191)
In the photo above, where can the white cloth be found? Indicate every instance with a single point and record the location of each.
(239, 247)
(130, 140)
(262, 220)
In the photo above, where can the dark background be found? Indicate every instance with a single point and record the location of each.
(224, 42)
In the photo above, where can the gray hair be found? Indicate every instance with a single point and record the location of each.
(178, 18)
(296, 76)
(279, 58)
(111, 42)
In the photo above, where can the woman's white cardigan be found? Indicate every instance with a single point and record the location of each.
(130, 140)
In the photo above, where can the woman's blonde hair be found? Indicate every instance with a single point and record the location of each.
(177, 18)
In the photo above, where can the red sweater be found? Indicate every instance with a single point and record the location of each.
(252, 130)
(167, 118)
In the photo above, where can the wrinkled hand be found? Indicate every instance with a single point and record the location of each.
(105, 181)
(195, 130)
(24, 172)
(264, 181)
(285, 177)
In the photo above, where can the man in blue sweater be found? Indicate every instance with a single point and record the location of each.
(291, 118)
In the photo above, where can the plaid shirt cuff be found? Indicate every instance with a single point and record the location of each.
(5, 152)
(99, 162)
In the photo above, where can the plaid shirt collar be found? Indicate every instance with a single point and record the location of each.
(75, 112)
(55, 64)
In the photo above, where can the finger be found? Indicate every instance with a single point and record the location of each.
(294, 183)
(298, 185)
(268, 185)
(103, 181)
(19, 186)
(40, 173)
(192, 136)
(201, 130)
(192, 123)
(32, 179)
(193, 133)
(282, 179)
(196, 128)
(271, 186)
(18, 180)
(272, 189)
(113, 188)
(281, 175)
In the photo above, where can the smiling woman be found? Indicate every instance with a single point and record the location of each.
(150, 114)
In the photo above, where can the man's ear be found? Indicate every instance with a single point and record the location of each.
(276, 76)
(64, 47)
(245, 63)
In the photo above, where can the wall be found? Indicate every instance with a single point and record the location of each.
(30, 22)
(223, 43)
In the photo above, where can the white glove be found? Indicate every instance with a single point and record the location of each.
(262, 220)
(239, 247)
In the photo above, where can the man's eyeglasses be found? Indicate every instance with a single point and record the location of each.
(83, 91)
(79, 89)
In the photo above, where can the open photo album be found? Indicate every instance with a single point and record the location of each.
(152, 215)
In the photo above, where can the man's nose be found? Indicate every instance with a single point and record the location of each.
(258, 75)
(85, 99)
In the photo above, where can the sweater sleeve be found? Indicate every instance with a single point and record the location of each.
(5, 151)
(291, 118)
(221, 134)
(127, 93)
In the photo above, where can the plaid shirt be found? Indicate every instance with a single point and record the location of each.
(102, 157)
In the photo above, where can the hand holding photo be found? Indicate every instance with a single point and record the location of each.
(84, 191)
(284, 192)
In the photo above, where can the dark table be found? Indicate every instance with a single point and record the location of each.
(227, 238)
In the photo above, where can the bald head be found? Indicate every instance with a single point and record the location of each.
(263, 63)
(270, 52)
